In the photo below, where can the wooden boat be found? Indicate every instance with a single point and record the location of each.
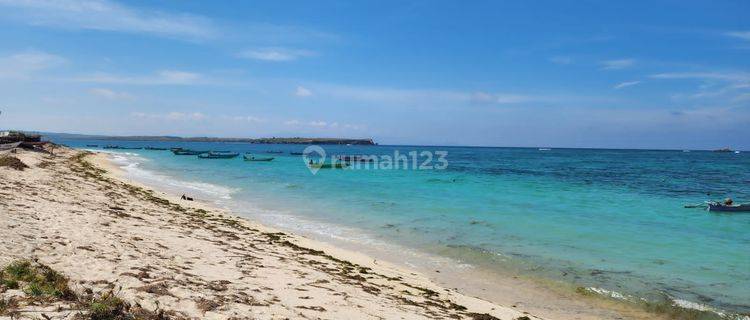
(187, 152)
(218, 155)
(336, 165)
(249, 157)
(716, 206)
(9, 146)
(121, 148)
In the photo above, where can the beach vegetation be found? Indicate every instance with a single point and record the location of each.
(12, 162)
(36, 280)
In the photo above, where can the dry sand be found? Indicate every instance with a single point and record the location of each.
(195, 261)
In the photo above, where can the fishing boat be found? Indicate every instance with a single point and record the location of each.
(218, 155)
(320, 165)
(249, 157)
(92, 145)
(121, 148)
(720, 207)
(296, 153)
(187, 152)
(154, 148)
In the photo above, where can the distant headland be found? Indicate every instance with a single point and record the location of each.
(272, 140)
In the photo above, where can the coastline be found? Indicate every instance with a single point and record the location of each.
(75, 215)
(544, 298)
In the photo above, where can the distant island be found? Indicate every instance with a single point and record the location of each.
(272, 140)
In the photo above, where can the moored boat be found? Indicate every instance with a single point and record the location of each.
(320, 165)
(250, 157)
(187, 152)
(720, 207)
(218, 155)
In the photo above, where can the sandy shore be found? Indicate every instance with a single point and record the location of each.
(188, 260)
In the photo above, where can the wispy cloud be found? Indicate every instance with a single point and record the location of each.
(726, 76)
(25, 64)
(104, 15)
(435, 97)
(110, 94)
(626, 84)
(164, 77)
(617, 64)
(744, 35)
(171, 116)
(719, 87)
(302, 92)
(275, 54)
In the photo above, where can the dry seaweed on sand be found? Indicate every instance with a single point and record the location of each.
(12, 162)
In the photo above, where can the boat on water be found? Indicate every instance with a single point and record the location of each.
(321, 165)
(92, 145)
(725, 150)
(275, 151)
(121, 148)
(250, 157)
(155, 148)
(721, 207)
(296, 153)
(218, 155)
(187, 152)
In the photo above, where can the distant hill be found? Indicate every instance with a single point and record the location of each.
(273, 140)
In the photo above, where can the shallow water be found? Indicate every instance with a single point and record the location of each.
(609, 219)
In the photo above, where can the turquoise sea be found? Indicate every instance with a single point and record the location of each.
(610, 220)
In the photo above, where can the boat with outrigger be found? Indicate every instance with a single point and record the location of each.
(250, 157)
(187, 152)
(218, 155)
(327, 165)
(727, 205)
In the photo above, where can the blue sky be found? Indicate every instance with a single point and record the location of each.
(645, 74)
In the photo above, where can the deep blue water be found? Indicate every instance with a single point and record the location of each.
(610, 219)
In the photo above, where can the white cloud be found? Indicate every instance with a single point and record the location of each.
(24, 64)
(171, 116)
(626, 84)
(110, 94)
(252, 119)
(318, 123)
(164, 77)
(302, 92)
(275, 54)
(617, 64)
(104, 15)
(725, 76)
(292, 122)
(744, 35)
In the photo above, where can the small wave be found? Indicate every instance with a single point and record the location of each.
(131, 164)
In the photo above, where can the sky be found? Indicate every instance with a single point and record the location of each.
(615, 74)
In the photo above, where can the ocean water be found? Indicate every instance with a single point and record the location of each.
(609, 220)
